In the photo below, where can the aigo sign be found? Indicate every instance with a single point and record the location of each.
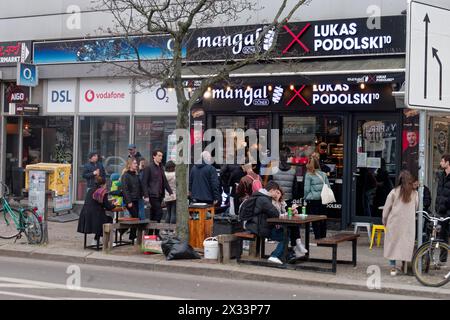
(105, 96)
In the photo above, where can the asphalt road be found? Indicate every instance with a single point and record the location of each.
(38, 279)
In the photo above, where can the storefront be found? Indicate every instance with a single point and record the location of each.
(80, 115)
(328, 91)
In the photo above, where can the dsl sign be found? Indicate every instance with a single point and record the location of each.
(62, 96)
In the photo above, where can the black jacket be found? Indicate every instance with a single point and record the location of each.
(93, 215)
(155, 182)
(264, 209)
(426, 199)
(443, 195)
(204, 183)
(131, 187)
(88, 173)
(230, 175)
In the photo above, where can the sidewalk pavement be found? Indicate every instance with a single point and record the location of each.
(66, 245)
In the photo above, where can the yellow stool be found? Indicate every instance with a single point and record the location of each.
(377, 228)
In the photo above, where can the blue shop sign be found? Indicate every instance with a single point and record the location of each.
(104, 50)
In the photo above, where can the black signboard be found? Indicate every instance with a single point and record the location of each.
(24, 109)
(13, 52)
(309, 39)
(300, 94)
(15, 94)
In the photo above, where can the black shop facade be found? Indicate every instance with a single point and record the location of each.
(342, 108)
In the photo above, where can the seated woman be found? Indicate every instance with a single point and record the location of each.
(93, 215)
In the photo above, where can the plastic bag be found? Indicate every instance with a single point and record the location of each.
(175, 249)
(151, 244)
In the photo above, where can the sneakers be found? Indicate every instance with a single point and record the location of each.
(300, 249)
(94, 243)
(394, 272)
(275, 260)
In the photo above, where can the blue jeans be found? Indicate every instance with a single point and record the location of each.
(277, 235)
(171, 212)
(141, 209)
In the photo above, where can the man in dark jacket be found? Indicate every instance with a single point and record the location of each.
(263, 210)
(443, 200)
(93, 169)
(154, 185)
(204, 183)
(133, 153)
(230, 175)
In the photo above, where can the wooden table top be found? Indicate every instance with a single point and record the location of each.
(296, 219)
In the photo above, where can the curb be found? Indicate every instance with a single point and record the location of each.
(233, 273)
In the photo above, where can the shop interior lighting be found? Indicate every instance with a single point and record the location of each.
(207, 94)
(362, 86)
(291, 87)
(209, 89)
(228, 88)
(249, 88)
(270, 88)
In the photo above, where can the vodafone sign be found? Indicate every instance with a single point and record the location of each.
(108, 96)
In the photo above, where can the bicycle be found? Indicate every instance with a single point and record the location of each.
(14, 222)
(428, 265)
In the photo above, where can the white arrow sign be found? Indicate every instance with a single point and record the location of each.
(428, 56)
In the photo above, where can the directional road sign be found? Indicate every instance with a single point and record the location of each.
(428, 56)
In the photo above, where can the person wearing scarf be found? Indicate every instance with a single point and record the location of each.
(93, 215)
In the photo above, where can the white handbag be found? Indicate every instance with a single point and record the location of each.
(327, 194)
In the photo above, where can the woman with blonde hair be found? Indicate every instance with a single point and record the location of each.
(132, 190)
(399, 217)
(314, 181)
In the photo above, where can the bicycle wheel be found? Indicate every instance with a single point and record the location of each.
(8, 228)
(434, 270)
(32, 227)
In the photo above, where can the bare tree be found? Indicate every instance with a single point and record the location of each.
(177, 18)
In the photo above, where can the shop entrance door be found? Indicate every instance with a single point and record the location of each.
(375, 164)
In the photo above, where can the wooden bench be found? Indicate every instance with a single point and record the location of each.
(333, 242)
(109, 230)
(257, 243)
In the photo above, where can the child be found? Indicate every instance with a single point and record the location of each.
(116, 189)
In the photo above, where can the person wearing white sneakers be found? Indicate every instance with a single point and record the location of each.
(256, 210)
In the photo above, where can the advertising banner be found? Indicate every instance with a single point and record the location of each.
(309, 39)
(61, 96)
(105, 96)
(12, 53)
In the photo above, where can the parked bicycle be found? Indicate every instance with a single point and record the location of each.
(430, 260)
(15, 221)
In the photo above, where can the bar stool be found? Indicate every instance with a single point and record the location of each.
(366, 225)
(377, 228)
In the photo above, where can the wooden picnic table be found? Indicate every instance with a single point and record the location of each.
(296, 220)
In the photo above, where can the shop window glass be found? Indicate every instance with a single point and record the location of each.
(13, 174)
(58, 140)
(301, 136)
(109, 136)
(153, 133)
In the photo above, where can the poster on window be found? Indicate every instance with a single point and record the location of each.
(440, 141)
(410, 141)
(36, 195)
(373, 132)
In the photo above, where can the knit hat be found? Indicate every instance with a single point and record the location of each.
(115, 177)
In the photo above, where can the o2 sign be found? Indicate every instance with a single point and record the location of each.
(27, 75)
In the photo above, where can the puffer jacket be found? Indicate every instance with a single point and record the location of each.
(131, 187)
(264, 209)
(314, 185)
(443, 195)
(285, 178)
(173, 185)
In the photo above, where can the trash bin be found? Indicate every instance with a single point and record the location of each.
(211, 246)
(200, 223)
(17, 181)
(226, 225)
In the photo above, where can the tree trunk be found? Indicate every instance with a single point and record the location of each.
(182, 175)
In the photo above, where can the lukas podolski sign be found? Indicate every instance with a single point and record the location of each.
(303, 39)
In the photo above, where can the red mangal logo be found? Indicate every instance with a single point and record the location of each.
(89, 95)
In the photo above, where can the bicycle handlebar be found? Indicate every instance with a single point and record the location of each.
(428, 217)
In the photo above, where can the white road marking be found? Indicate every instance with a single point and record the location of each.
(91, 290)
(21, 295)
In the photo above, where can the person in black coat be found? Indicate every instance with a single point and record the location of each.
(93, 215)
(154, 185)
(204, 183)
(263, 210)
(131, 190)
(442, 205)
(93, 169)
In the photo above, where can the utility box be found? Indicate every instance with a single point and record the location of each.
(58, 176)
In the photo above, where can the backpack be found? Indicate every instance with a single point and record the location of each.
(256, 183)
(247, 209)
